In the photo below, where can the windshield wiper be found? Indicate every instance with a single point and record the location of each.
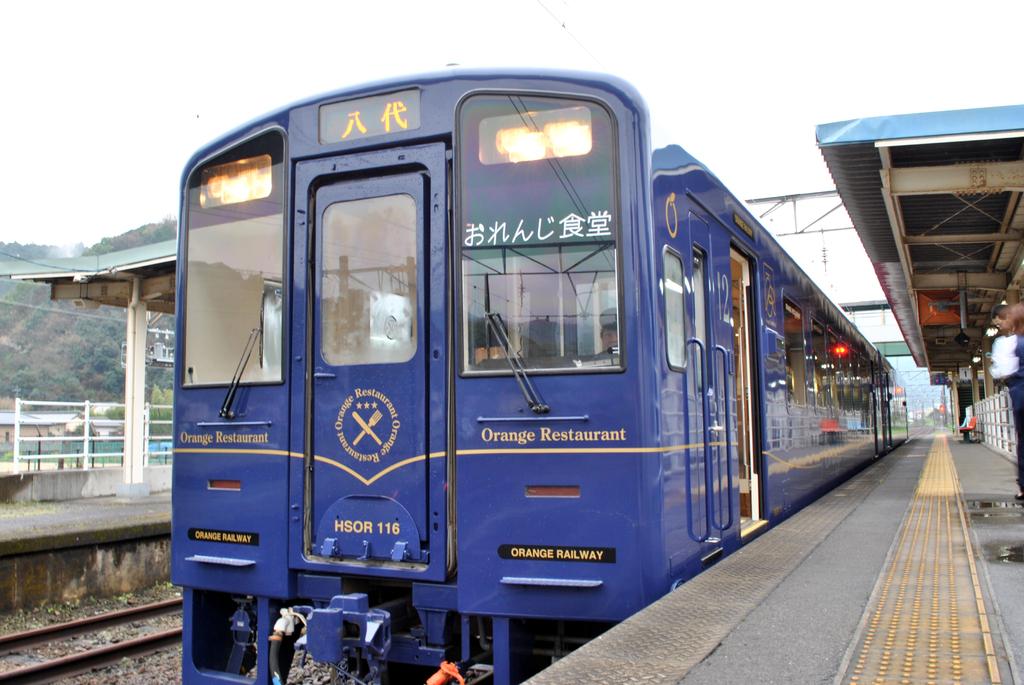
(225, 409)
(515, 362)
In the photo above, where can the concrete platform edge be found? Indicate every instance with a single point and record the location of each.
(50, 486)
(85, 538)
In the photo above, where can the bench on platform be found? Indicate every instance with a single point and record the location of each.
(968, 426)
(831, 431)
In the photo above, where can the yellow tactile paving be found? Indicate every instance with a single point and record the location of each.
(928, 622)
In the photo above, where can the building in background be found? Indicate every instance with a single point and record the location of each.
(33, 425)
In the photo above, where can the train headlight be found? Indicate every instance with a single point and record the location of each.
(235, 182)
(530, 136)
(569, 138)
(520, 144)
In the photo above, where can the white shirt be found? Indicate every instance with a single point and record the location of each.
(1004, 356)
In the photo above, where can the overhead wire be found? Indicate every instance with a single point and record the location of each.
(62, 311)
(30, 261)
(565, 28)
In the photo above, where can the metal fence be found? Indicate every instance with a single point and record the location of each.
(995, 423)
(82, 435)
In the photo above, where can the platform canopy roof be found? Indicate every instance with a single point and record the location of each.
(936, 200)
(104, 279)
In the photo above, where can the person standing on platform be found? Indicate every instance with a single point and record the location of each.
(999, 318)
(1007, 352)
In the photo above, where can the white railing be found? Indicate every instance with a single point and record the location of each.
(87, 448)
(159, 443)
(995, 423)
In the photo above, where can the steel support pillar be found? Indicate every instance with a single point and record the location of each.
(954, 395)
(133, 483)
(975, 397)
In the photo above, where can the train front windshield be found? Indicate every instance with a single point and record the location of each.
(539, 231)
(235, 266)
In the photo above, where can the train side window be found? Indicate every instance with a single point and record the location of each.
(822, 391)
(796, 354)
(837, 354)
(849, 399)
(865, 384)
(858, 382)
(675, 308)
(700, 316)
(845, 371)
(368, 281)
(834, 370)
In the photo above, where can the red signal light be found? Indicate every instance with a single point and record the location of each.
(840, 350)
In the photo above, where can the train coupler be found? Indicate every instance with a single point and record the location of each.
(347, 634)
(243, 637)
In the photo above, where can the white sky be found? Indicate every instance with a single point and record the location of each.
(103, 102)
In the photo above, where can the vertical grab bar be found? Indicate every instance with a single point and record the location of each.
(707, 446)
(728, 434)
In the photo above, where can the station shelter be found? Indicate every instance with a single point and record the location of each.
(142, 281)
(936, 200)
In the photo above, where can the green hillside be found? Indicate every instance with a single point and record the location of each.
(143, 235)
(54, 351)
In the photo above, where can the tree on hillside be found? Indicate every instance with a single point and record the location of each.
(161, 397)
(40, 253)
(52, 350)
(146, 234)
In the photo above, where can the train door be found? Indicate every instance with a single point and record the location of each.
(744, 387)
(875, 413)
(711, 380)
(369, 500)
(887, 409)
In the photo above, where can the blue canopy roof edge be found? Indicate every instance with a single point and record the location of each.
(921, 125)
(111, 262)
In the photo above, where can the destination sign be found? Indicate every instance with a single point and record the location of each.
(571, 228)
(379, 115)
(743, 225)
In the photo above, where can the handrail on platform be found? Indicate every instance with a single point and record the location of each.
(87, 415)
(994, 423)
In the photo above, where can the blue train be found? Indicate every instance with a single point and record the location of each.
(469, 373)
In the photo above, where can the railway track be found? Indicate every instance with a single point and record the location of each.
(84, 661)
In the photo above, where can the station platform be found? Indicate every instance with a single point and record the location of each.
(911, 572)
(54, 552)
(36, 526)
